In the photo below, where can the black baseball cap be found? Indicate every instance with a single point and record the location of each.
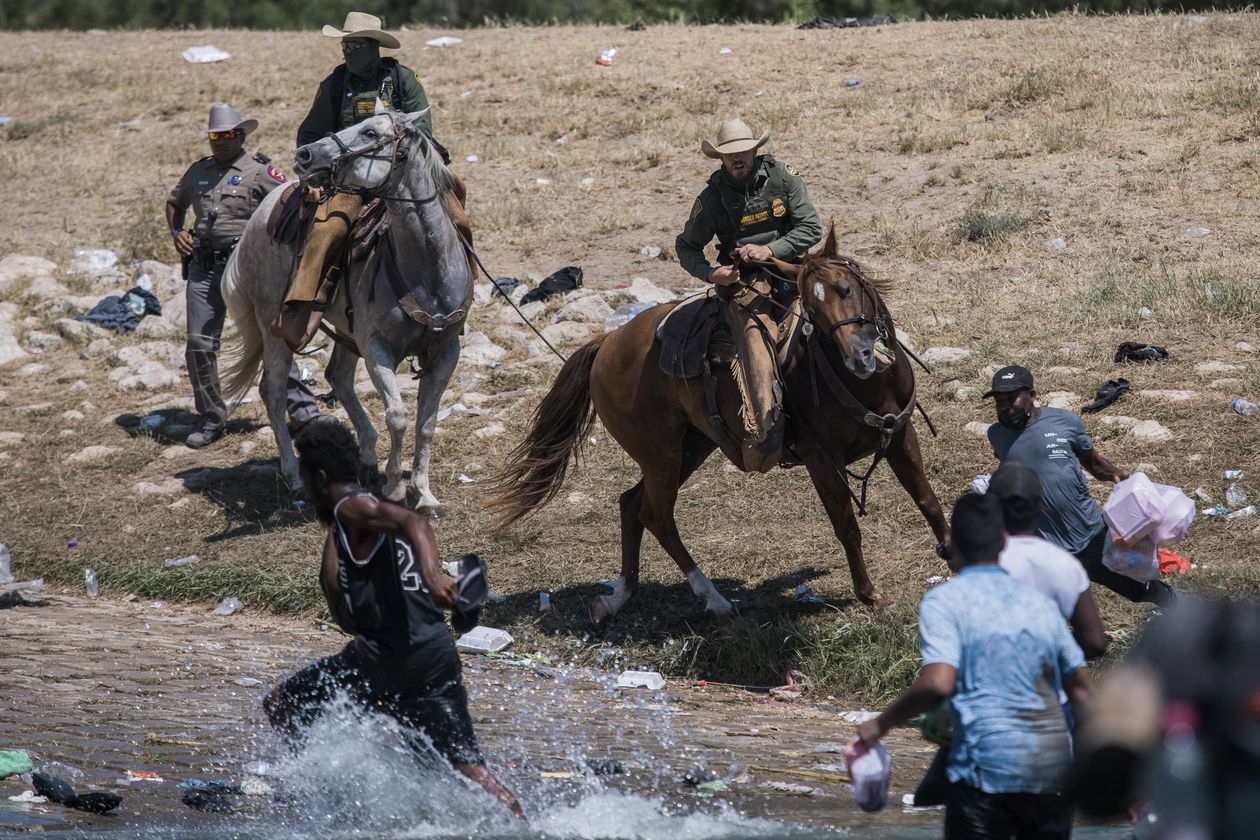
(1010, 379)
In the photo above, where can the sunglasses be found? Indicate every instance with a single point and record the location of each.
(348, 47)
(230, 134)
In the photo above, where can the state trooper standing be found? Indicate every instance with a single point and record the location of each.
(223, 190)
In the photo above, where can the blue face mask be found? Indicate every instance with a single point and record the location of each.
(361, 59)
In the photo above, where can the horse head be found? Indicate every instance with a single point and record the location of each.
(842, 302)
(368, 156)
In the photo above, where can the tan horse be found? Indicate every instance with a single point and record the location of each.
(840, 407)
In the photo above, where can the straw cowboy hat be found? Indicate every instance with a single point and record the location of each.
(363, 25)
(733, 136)
(223, 117)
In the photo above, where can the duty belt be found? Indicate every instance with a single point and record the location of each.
(207, 257)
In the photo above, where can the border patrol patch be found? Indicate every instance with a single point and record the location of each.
(791, 170)
(276, 175)
(695, 210)
(777, 208)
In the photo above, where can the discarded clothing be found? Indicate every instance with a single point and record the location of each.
(1172, 563)
(504, 285)
(208, 800)
(566, 279)
(13, 763)
(1136, 351)
(846, 23)
(56, 790)
(123, 313)
(1113, 390)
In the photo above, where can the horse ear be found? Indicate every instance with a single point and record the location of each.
(380, 108)
(418, 117)
(830, 247)
(787, 269)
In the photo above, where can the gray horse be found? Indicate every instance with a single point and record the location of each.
(387, 156)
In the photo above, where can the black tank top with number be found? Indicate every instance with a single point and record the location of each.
(385, 600)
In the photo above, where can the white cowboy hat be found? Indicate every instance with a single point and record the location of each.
(363, 25)
(733, 136)
(223, 117)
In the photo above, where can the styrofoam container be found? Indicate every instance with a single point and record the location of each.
(484, 640)
(651, 680)
(1133, 509)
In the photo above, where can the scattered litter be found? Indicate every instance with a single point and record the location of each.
(934, 579)
(247, 682)
(586, 182)
(1107, 393)
(72, 544)
(1136, 351)
(93, 261)
(210, 801)
(715, 786)
(444, 41)
(482, 639)
(1235, 496)
(1195, 232)
(95, 31)
(461, 410)
(725, 51)
(150, 423)
(5, 121)
(829, 748)
(1243, 407)
(796, 685)
(868, 770)
(29, 796)
(544, 602)
(463, 479)
(1215, 511)
(858, 716)
(136, 123)
(1242, 513)
(792, 788)
(606, 57)
(122, 313)
(205, 54)
(567, 279)
(504, 285)
(1172, 563)
(472, 158)
(220, 785)
(802, 590)
(699, 775)
(256, 787)
(605, 766)
(980, 484)
(1145, 312)
(1056, 244)
(451, 567)
(1233, 474)
(651, 680)
(95, 802)
(907, 802)
(14, 763)
(143, 776)
(181, 561)
(854, 82)
(623, 314)
(227, 606)
(89, 579)
(650, 251)
(6, 572)
(543, 182)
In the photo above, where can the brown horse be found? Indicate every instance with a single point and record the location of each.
(840, 408)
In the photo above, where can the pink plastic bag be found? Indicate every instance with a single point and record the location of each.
(1178, 513)
(869, 770)
(1138, 507)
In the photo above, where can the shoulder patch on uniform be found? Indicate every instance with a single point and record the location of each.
(791, 170)
(276, 175)
(695, 209)
(261, 158)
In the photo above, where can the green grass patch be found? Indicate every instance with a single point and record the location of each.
(1118, 297)
(985, 228)
(22, 129)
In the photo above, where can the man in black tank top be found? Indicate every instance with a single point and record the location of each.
(381, 578)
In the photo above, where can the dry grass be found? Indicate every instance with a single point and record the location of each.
(965, 149)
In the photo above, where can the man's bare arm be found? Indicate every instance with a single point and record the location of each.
(368, 513)
(1101, 468)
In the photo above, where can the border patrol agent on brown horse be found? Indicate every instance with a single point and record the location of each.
(758, 209)
(346, 97)
(223, 191)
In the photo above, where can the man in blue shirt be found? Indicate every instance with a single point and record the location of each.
(1053, 442)
(999, 651)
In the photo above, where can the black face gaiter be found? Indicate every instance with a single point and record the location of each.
(1014, 418)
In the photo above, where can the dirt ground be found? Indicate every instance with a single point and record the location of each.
(100, 687)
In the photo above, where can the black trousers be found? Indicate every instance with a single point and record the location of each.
(972, 814)
(1091, 559)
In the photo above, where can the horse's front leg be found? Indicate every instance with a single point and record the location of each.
(834, 493)
(432, 384)
(907, 464)
(340, 375)
(381, 363)
(277, 360)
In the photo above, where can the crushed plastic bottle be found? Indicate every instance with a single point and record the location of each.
(227, 606)
(89, 578)
(1215, 510)
(1233, 474)
(623, 314)
(1249, 510)
(6, 559)
(1235, 496)
(606, 57)
(1243, 407)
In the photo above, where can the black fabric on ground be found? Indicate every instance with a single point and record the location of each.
(1137, 351)
(1113, 390)
(566, 279)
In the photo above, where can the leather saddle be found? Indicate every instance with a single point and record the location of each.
(687, 332)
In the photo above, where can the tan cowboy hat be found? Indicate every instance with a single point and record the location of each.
(733, 136)
(363, 25)
(223, 117)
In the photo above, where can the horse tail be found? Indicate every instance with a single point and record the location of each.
(245, 359)
(536, 468)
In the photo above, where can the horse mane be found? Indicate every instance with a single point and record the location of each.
(438, 171)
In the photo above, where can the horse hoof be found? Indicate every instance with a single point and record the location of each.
(432, 511)
(600, 611)
(721, 616)
(397, 493)
(875, 601)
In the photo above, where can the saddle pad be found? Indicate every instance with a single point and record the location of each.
(372, 222)
(684, 334)
(285, 220)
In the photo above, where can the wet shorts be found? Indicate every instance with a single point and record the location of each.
(439, 709)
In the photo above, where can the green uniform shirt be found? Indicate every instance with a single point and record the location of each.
(344, 100)
(770, 208)
(223, 198)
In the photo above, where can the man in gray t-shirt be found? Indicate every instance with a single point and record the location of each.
(1054, 443)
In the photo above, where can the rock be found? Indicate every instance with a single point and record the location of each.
(155, 326)
(1225, 384)
(645, 291)
(73, 330)
(72, 414)
(1062, 399)
(32, 369)
(650, 251)
(1118, 420)
(38, 341)
(34, 408)
(1215, 367)
(97, 348)
(590, 309)
(944, 355)
(473, 399)
(490, 430)
(173, 453)
(975, 427)
(904, 337)
(166, 487)
(480, 350)
(1062, 370)
(566, 332)
(482, 293)
(47, 290)
(11, 438)
(163, 352)
(1147, 467)
(10, 350)
(148, 376)
(988, 371)
(168, 281)
(1170, 396)
(527, 312)
(247, 447)
(1150, 430)
(91, 455)
(15, 268)
(78, 387)
(265, 436)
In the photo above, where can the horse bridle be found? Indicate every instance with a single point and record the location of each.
(865, 292)
(397, 154)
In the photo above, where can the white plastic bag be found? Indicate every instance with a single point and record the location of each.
(1139, 507)
(1138, 560)
(869, 770)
